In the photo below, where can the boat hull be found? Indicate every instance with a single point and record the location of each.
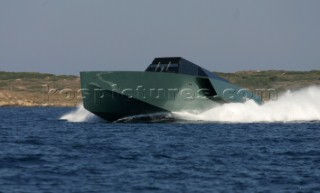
(114, 95)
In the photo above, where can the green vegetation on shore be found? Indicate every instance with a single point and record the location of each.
(280, 80)
(42, 89)
(38, 89)
(32, 75)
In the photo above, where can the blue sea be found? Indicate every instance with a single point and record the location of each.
(40, 152)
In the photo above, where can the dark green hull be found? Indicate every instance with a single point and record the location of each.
(114, 95)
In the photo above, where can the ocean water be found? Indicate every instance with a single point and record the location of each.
(249, 149)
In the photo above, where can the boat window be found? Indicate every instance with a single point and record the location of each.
(152, 67)
(168, 66)
(160, 67)
(173, 68)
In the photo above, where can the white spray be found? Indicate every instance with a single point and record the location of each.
(78, 115)
(301, 105)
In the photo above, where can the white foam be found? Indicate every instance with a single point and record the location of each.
(78, 115)
(301, 105)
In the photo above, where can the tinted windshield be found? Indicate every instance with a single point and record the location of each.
(173, 68)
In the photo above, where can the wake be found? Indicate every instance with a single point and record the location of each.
(301, 105)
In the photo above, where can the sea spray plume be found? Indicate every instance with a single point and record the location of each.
(301, 105)
(78, 115)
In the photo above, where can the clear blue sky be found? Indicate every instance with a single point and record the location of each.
(68, 36)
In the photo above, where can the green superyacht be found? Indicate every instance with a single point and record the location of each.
(171, 84)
